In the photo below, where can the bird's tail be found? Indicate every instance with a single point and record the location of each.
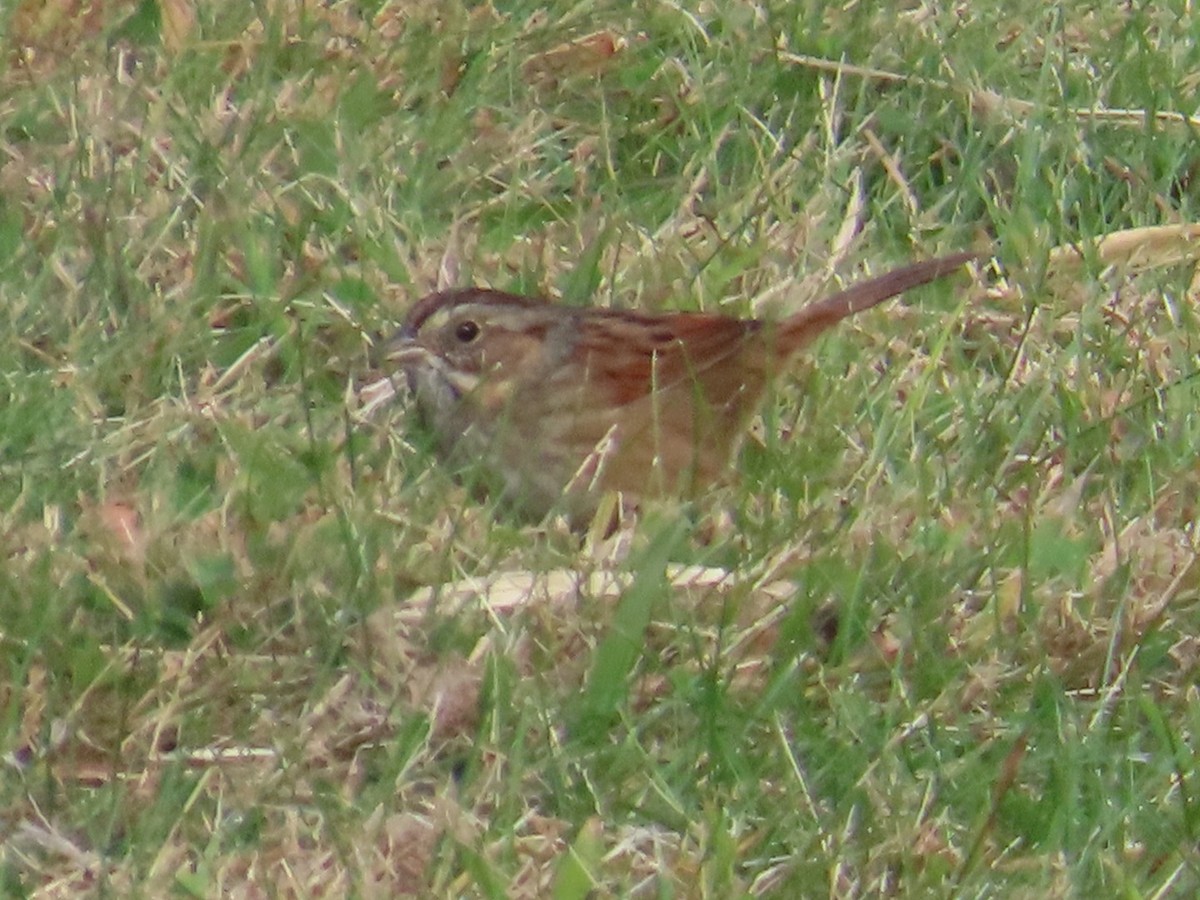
(797, 331)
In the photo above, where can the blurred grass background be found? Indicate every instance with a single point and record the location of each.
(937, 638)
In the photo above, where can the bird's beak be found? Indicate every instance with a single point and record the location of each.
(400, 351)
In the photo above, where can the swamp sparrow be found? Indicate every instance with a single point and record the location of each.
(562, 404)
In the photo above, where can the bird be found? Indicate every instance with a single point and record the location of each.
(560, 405)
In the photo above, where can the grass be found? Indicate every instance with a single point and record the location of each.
(936, 639)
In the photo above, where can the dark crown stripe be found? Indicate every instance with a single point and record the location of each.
(428, 306)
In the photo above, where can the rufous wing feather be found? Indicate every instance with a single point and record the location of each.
(661, 352)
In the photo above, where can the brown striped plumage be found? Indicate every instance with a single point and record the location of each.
(564, 403)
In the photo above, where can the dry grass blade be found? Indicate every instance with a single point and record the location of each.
(1132, 250)
(992, 104)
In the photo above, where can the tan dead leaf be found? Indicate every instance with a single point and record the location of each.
(504, 593)
(588, 55)
(178, 22)
(76, 760)
(1134, 249)
(33, 710)
(402, 854)
(119, 520)
(1010, 768)
(1160, 563)
(887, 643)
(56, 27)
(454, 66)
(1186, 654)
(543, 838)
(453, 700)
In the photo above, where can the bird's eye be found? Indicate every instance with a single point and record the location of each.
(466, 331)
